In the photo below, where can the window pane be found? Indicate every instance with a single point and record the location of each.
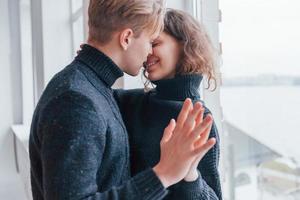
(26, 53)
(260, 97)
(76, 4)
(78, 33)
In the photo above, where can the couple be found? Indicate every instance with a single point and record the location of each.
(88, 141)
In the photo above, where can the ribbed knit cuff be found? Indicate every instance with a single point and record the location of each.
(190, 190)
(149, 186)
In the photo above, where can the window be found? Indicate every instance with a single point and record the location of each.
(77, 23)
(209, 15)
(260, 98)
(53, 47)
(26, 60)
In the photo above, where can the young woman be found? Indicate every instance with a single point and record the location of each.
(182, 54)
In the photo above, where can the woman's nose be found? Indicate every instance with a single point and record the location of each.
(150, 51)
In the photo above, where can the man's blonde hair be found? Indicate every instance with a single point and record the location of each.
(109, 16)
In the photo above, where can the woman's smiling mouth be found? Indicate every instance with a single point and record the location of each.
(150, 63)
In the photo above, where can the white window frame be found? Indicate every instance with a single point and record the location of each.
(75, 16)
(31, 59)
(209, 14)
(207, 11)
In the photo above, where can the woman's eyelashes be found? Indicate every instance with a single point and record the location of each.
(154, 44)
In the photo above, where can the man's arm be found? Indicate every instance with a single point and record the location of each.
(73, 143)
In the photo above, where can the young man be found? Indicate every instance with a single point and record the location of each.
(78, 142)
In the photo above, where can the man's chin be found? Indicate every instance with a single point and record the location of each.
(133, 72)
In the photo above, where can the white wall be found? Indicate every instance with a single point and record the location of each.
(6, 101)
(57, 53)
(52, 40)
(57, 36)
(26, 60)
(178, 4)
(10, 105)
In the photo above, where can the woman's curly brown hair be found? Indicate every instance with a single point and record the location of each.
(198, 54)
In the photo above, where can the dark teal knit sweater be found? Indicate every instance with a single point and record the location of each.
(147, 114)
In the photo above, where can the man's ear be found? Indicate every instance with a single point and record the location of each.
(126, 37)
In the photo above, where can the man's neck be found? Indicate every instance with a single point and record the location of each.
(109, 51)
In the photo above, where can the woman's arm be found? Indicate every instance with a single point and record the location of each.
(207, 186)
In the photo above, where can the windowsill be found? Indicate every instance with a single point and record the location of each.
(22, 134)
(21, 142)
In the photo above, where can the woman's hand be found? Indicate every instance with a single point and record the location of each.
(202, 141)
(178, 149)
(78, 51)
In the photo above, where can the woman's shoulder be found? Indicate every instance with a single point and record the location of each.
(131, 92)
(132, 96)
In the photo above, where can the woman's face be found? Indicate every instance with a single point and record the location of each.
(161, 64)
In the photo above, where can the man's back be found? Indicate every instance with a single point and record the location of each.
(78, 142)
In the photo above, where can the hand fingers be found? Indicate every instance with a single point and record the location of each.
(199, 119)
(191, 119)
(168, 131)
(199, 130)
(205, 134)
(203, 138)
(199, 157)
(186, 108)
(78, 51)
(201, 151)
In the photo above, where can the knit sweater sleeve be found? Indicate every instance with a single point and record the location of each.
(207, 186)
(72, 150)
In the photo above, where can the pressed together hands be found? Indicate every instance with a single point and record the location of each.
(184, 144)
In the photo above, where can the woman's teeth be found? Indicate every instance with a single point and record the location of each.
(151, 63)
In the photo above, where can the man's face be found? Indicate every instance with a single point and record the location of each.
(138, 51)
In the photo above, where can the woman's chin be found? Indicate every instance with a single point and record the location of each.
(152, 77)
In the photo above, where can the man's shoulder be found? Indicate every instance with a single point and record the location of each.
(70, 88)
(73, 79)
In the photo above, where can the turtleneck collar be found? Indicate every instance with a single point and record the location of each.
(101, 64)
(179, 88)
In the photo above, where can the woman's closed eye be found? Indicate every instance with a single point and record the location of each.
(154, 44)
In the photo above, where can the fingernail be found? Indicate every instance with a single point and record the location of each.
(188, 100)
